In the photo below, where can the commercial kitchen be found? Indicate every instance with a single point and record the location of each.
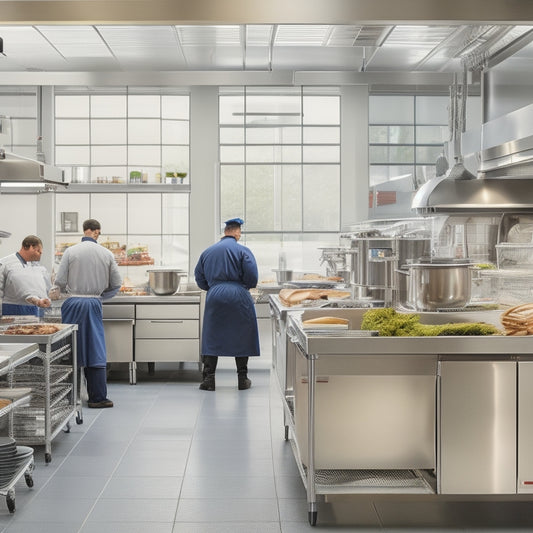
(380, 155)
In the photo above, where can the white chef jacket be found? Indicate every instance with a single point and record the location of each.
(20, 280)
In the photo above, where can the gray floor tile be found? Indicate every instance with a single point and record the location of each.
(46, 510)
(43, 527)
(246, 467)
(219, 511)
(152, 466)
(72, 487)
(143, 487)
(229, 527)
(238, 487)
(88, 466)
(129, 510)
(127, 527)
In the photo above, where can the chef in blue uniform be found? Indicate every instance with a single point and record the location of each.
(89, 274)
(227, 270)
(24, 283)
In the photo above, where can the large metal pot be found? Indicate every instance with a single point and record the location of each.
(165, 281)
(439, 285)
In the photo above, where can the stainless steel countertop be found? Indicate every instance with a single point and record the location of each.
(190, 297)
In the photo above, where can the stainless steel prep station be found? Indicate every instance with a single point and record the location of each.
(403, 415)
(151, 329)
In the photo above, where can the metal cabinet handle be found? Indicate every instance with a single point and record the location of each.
(166, 321)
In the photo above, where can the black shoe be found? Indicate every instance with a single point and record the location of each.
(100, 405)
(244, 383)
(208, 383)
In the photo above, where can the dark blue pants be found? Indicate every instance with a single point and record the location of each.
(96, 383)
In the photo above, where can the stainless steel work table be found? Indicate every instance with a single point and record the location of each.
(509, 359)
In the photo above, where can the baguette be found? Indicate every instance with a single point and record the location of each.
(291, 297)
(326, 320)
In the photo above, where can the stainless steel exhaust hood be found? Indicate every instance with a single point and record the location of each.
(480, 195)
(18, 169)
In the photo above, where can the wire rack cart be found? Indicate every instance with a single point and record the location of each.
(12, 355)
(53, 377)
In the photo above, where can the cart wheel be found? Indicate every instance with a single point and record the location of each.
(29, 480)
(79, 419)
(286, 432)
(312, 517)
(10, 500)
(47, 457)
(66, 429)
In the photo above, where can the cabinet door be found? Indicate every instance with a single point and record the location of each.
(119, 340)
(167, 350)
(525, 427)
(158, 311)
(477, 431)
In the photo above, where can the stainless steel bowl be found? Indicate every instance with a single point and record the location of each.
(164, 282)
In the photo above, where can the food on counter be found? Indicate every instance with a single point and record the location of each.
(118, 250)
(128, 289)
(518, 320)
(32, 329)
(485, 266)
(389, 323)
(327, 320)
(136, 256)
(323, 278)
(291, 297)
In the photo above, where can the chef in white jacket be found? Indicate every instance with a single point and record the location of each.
(24, 283)
(89, 274)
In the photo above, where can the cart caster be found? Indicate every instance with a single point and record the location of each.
(312, 517)
(286, 432)
(10, 500)
(29, 480)
(47, 457)
(79, 419)
(66, 429)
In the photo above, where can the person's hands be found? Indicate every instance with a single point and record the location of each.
(39, 302)
(54, 293)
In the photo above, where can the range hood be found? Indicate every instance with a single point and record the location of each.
(480, 195)
(18, 169)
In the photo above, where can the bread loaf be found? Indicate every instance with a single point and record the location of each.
(291, 297)
(326, 320)
(518, 320)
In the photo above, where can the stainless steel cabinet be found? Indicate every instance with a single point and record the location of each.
(167, 333)
(525, 427)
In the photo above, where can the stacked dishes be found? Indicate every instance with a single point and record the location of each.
(12, 459)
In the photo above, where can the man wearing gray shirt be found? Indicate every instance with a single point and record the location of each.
(88, 274)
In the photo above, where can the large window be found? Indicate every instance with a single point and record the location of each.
(280, 169)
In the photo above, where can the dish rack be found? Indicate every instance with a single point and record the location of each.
(508, 287)
(514, 256)
(53, 377)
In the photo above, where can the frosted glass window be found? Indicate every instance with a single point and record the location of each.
(144, 131)
(110, 210)
(391, 134)
(72, 106)
(291, 192)
(108, 131)
(321, 154)
(431, 134)
(148, 105)
(391, 110)
(432, 109)
(391, 154)
(175, 214)
(273, 154)
(321, 109)
(231, 135)
(174, 132)
(175, 156)
(322, 135)
(26, 151)
(278, 108)
(231, 191)
(72, 155)
(232, 154)
(24, 131)
(175, 251)
(175, 106)
(260, 198)
(382, 173)
(109, 155)
(107, 106)
(231, 109)
(72, 131)
(321, 192)
(18, 105)
(144, 155)
(139, 206)
(78, 203)
(427, 154)
(274, 135)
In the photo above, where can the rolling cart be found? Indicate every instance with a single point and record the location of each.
(52, 375)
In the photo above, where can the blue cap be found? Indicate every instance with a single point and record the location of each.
(239, 221)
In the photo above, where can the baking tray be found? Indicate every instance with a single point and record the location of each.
(64, 329)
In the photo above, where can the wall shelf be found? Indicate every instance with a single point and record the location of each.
(125, 187)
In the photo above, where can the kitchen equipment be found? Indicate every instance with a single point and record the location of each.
(165, 281)
(80, 175)
(282, 276)
(438, 283)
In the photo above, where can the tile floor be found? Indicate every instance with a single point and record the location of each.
(169, 458)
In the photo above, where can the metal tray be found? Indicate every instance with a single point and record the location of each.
(64, 329)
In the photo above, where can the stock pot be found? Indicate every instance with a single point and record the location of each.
(438, 284)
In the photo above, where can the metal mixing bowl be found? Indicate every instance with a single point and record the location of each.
(164, 282)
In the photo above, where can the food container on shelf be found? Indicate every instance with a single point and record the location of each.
(282, 276)
(165, 281)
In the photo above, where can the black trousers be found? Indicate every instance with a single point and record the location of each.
(96, 383)
(210, 365)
